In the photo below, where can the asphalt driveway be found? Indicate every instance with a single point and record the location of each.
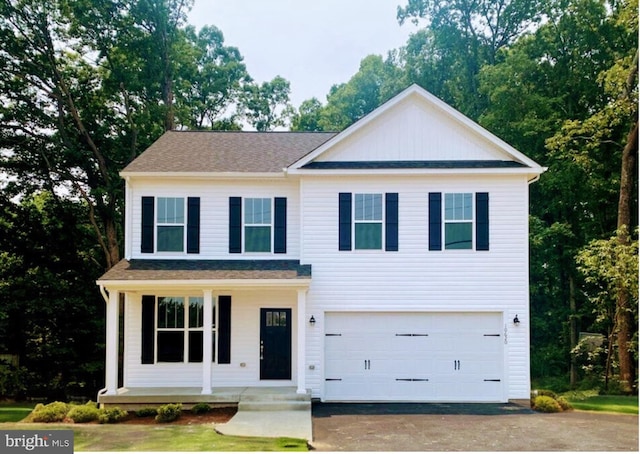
(467, 427)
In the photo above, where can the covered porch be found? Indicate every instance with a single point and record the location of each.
(150, 377)
(262, 398)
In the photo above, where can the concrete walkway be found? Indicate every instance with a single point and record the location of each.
(281, 423)
(271, 412)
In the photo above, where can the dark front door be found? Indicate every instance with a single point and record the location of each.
(275, 344)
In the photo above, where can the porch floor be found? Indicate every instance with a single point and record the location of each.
(136, 398)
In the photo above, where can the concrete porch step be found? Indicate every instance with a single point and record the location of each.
(279, 405)
(274, 399)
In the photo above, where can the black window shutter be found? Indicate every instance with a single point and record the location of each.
(482, 221)
(391, 221)
(224, 330)
(344, 222)
(435, 221)
(280, 226)
(148, 218)
(235, 225)
(193, 225)
(148, 329)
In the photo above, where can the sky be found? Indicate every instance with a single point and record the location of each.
(311, 43)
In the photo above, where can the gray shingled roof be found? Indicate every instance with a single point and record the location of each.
(226, 151)
(162, 270)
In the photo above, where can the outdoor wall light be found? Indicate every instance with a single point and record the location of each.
(312, 321)
(516, 320)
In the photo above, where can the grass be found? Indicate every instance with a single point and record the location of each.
(172, 438)
(14, 412)
(611, 404)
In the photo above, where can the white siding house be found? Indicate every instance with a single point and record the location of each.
(387, 262)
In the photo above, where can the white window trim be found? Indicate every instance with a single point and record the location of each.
(382, 222)
(157, 224)
(471, 221)
(270, 225)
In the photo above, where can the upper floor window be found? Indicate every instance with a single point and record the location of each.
(368, 221)
(170, 224)
(257, 225)
(462, 224)
(371, 218)
(458, 221)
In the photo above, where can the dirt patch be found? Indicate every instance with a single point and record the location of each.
(214, 416)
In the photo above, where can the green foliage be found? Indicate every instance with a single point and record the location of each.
(564, 403)
(111, 415)
(144, 412)
(200, 408)
(53, 412)
(84, 413)
(546, 404)
(169, 412)
(13, 381)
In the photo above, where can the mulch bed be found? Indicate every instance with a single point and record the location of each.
(214, 416)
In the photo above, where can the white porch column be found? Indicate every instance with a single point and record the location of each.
(111, 366)
(302, 341)
(207, 340)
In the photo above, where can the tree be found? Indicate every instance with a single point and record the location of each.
(461, 37)
(267, 104)
(211, 84)
(308, 116)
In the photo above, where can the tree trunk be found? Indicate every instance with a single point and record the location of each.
(624, 315)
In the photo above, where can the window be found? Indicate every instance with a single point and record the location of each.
(458, 221)
(180, 329)
(170, 224)
(257, 225)
(368, 221)
(363, 218)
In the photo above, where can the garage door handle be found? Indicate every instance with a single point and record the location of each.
(367, 364)
(456, 364)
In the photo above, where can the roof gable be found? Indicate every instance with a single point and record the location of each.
(414, 126)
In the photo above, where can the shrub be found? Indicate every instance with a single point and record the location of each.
(200, 408)
(546, 404)
(546, 392)
(146, 412)
(53, 412)
(84, 413)
(169, 412)
(111, 415)
(564, 403)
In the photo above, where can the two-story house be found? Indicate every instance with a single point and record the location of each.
(386, 262)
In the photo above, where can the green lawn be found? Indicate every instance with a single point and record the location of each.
(613, 404)
(166, 437)
(15, 412)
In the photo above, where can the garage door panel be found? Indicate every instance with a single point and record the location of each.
(414, 356)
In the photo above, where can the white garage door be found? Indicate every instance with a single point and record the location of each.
(424, 357)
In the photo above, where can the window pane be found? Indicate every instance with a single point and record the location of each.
(257, 211)
(170, 210)
(195, 346)
(196, 312)
(458, 235)
(171, 238)
(171, 346)
(369, 236)
(458, 207)
(170, 312)
(368, 207)
(467, 208)
(257, 239)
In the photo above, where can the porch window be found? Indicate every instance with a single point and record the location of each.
(181, 329)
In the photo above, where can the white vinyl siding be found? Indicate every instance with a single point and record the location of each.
(214, 212)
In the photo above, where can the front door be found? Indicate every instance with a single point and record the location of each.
(275, 344)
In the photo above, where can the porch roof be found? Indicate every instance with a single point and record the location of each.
(207, 270)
